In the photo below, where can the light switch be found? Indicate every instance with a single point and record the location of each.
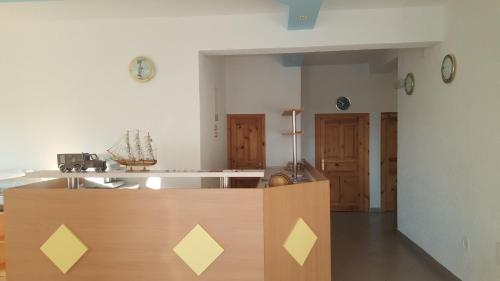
(465, 243)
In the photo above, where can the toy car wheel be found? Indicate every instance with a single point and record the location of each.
(77, 168)
(84, 169)
(101, 169)
(62, 168)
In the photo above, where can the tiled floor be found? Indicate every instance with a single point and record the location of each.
(366, 248)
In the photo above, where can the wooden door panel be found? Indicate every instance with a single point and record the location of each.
(393, 166)
(349, 190)
(332, 140)
(254, 143)
(391, 185)
(391, 200)
(246, 145)
(389, 157)
(246, 141)
(334, 189)
(350, 141)
(342, 155)
(343, 166)
(238, 144)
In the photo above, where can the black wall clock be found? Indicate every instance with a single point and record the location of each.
(343, 103)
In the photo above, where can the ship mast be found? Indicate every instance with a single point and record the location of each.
(138, 146)
(149, 147)
(127, 143)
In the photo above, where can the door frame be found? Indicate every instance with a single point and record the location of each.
(262, 119)
(364, 145)
(383, 179)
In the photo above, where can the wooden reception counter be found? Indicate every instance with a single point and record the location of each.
(130, 235)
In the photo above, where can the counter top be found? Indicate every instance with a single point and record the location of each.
(152, 173)
(308, 174)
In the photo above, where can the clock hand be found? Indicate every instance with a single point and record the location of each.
(140, 70)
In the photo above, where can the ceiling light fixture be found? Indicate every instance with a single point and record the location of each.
(302, 18)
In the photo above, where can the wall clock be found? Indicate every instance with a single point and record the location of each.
(142, 69)
(343, 103)
(409, 83)
(448, 68)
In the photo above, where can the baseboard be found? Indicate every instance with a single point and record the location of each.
(375, 210)
(443, 271)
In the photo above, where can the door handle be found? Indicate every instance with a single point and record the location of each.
(322, 165)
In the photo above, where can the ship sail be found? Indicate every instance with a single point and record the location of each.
(149, 147)
(136, 150)
(127, 142)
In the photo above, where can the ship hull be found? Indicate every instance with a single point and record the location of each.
(137, 163)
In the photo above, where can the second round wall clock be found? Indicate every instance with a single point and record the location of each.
(448, 68)
(409, 83)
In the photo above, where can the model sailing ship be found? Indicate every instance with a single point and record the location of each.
(134, 150)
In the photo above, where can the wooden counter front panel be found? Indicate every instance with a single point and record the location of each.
(131, 233)
(283, 206)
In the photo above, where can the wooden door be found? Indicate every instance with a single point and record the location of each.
(2, 246)
(246, 145)
(389, 160)
(342, 156)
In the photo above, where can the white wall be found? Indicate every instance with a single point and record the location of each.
(369, 92)
(65, 86)
(213, 132)
(449, 160)
(261, 84)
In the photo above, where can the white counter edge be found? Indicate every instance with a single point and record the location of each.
(148, 174)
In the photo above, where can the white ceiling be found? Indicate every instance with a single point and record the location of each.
(378, 60)
(368, 4)
(154, 8)
(343, 57)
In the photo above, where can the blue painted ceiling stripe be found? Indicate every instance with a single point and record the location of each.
(293, 60)
(302, 13)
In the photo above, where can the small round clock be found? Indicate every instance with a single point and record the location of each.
(409, 83)
(343, 103)
(448, 68)
(142, 69)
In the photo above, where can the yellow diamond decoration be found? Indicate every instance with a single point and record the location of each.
(198, 249)
(63, 248)
(300, 242)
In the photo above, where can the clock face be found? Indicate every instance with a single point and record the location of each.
(343, 103)
(448, 68)
(409, 83)
(142, 69)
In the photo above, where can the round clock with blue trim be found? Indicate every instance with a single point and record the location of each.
(142, 69)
